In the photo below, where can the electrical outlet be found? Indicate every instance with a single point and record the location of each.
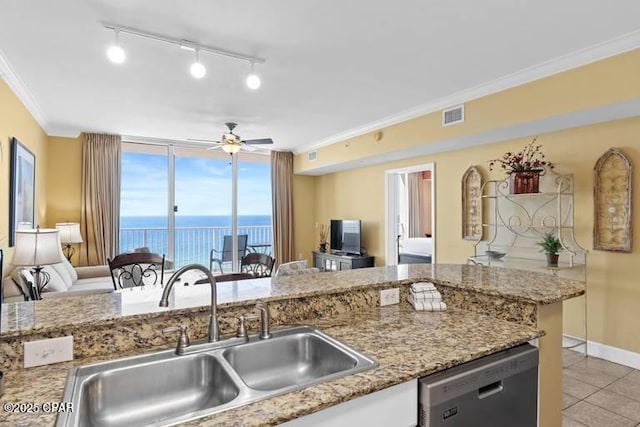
(389, 296)
(45, 352)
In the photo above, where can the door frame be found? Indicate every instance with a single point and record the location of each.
(391, 209)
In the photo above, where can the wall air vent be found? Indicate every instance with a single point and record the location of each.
(453, 115)
(313, 155)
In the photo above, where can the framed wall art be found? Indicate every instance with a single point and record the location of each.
(472, 204)
(23, 189)
(612, 202)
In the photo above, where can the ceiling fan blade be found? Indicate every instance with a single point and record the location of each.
(215, 147)
(246, 147)
(203, 140)
(259, 141)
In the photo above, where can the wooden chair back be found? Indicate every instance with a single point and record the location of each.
(136, 269)
(258, 264)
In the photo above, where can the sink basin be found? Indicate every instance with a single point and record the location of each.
(288, 361)
(163, 388)
(153, 390)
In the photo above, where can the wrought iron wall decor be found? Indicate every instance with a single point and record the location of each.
(472, 204)
(612, 230)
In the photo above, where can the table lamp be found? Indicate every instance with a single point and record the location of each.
(69, 236)
(35, 248)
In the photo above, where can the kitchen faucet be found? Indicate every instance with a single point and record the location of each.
(214, 328)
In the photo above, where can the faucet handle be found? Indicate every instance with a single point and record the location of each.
(183, 338)
(241, 332)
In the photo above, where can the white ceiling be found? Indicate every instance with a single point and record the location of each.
(332, 68)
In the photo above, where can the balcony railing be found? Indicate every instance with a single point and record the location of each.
(192, 244)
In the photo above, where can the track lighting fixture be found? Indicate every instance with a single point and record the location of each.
(115, 52)
(253, 81)
(197, 69)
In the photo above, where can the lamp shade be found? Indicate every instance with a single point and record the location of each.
(231, 148)
(36, 247)
(69, 232)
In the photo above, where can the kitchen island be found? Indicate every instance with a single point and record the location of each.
(491, 309)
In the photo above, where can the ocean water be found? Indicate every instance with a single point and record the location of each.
(195, 236)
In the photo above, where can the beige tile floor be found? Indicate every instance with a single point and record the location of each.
(597, 393)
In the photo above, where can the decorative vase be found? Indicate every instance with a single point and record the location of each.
(323, 247)
(523, 182)
(552, 260)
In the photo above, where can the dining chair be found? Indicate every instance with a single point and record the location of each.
(226, 254)
(258, 264)
(136, 269)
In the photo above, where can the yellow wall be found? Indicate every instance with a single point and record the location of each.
(306, 236)
(614, 296)
(64, 181)
(16, 121)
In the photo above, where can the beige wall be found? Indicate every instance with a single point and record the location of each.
(306, 235)
(614, 296)
(16, 121)
(64, 182)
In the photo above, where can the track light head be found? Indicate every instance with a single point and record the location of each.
(253, 80)
(197, 69)
(115, 52)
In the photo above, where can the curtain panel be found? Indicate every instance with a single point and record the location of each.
(282, 205)
(100, 216)
(415, 196)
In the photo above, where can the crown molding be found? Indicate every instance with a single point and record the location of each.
(567, 62)
(8, 74)
(607, 113)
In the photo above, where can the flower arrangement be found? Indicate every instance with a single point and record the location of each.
(324, 232)
(529, 158)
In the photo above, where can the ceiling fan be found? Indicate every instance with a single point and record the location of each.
(232, 143)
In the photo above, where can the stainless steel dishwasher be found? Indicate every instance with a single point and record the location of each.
(499, 390)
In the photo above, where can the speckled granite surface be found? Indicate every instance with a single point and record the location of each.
(50, 315)
(407, 345)
(134, 332)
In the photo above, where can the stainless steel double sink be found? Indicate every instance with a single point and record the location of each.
(163, 388)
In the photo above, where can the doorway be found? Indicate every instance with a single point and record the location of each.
(410, 215)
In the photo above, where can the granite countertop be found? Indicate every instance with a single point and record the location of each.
(407, 344)
(51, 315)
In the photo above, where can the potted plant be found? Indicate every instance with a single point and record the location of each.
(523, 167)
(324, 231)
(550, 245)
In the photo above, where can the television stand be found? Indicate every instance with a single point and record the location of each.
(340, 261)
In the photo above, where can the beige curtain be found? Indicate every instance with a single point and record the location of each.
(100, 221)
(415, 195)
(282, 205)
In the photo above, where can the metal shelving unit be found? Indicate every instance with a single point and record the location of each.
(514, 223)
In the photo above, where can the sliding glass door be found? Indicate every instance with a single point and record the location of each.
(144, 195)
(203, 204)
(179, 201)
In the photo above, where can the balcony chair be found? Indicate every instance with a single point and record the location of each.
(136, 269)
(258, 264)
(226, 255)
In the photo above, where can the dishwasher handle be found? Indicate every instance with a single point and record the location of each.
(490, 389)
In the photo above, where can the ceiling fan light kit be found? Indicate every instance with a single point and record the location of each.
(232, 143)
(117, 54)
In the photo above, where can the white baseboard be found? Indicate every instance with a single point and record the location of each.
(610, 353)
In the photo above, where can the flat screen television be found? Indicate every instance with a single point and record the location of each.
(345, 236)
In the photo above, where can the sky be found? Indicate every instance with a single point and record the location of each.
(203, 186)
